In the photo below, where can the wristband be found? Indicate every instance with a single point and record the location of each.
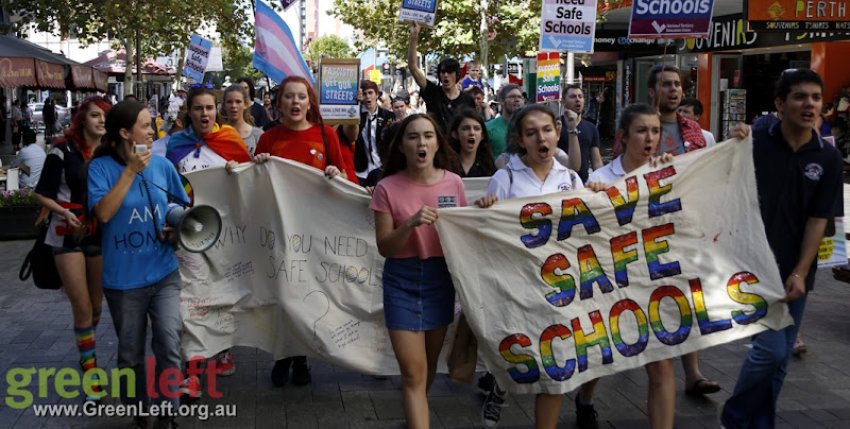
(574, 131)
(796, 275)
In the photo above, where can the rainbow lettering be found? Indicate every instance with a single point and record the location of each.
(528, 220)
(564, 282)
(598, 337)
(623, 257)
(643, 329)
(624, 210)
(733, 288)
(653, 181)
(533, 372)
(657, 270)
(555, 371)
(685, 319)
(573, 212)
(706, 326)
(591, 272)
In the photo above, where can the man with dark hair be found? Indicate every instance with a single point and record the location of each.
(691, 108)
(588, 135)
(678, 133)
(511, 100)
(257, 111)
(374, 120)
(799, 184)
(444, 99)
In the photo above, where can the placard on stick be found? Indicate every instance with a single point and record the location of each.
(338, 82)
(423, 11)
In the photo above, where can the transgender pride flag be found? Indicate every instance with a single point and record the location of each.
(275, 52)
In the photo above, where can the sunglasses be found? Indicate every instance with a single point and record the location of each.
(207, 85)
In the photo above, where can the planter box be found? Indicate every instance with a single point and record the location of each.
(18, 222)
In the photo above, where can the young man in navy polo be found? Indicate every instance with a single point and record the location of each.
(799, 183)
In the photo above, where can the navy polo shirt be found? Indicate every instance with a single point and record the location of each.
(792, 187)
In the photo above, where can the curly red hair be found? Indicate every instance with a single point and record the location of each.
(75, 133)
(314, 116)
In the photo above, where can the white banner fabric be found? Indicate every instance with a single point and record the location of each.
(564, 288)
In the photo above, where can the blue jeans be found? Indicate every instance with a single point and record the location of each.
(753, 403)
(130, 310)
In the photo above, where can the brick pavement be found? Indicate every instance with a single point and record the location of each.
(37, 332)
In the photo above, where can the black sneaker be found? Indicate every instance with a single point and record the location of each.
(486, 383)
(301, 373)
(586, 416)
(280, 372)
(491, 411)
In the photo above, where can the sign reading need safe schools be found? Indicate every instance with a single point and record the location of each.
(568, 25)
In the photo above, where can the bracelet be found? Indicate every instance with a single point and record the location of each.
(574, 131)
(796, 275)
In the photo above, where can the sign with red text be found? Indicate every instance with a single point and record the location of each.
(568, 25)
(583, 284)
(681, 19)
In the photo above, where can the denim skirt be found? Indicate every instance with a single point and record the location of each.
(418, 294)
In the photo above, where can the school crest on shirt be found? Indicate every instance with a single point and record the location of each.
(444, 201)
(813, 171)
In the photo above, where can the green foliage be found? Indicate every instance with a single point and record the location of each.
(23, 197)
(331, 46)
(163, 25)
(515, 24)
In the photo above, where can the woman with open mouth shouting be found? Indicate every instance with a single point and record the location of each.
(469, 139)
(204, 143)
(303, 137)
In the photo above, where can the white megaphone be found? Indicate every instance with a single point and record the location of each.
(197, 227)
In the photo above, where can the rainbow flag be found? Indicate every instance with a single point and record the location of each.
(275, 52)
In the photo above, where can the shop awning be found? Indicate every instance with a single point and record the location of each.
(100, 80)
(82, 77)
(16, 72)
(50, 75)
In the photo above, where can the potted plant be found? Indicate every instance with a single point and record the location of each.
(18, 212)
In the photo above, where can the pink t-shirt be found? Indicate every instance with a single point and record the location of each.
(402, 198)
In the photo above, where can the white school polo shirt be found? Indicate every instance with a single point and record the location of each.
(526, 184)
(610, 173)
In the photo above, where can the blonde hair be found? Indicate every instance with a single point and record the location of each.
(246, 114)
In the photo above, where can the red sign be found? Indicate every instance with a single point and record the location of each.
(798, 15)
(50, 75)
(16, 72)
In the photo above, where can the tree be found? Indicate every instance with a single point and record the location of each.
(331, 46)
(161, 26)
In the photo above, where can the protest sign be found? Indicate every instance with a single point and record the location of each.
(671, 19)
(833, 249)
(548, 76)
(338, 84)
(568, 287)
(423, 11)
(196, 58)
(568, 25)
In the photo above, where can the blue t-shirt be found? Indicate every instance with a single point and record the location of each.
(133, 257)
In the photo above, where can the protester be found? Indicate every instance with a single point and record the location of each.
(511, 99)
(160, 147)
(441, 100)
(30, 160)
(416, 103)
(469, 140)
(236, 113)
(799, 183)
(588, 134)
(140, 279)
(374, 121)
(401, 107)
(48, 116)
(532, 172)
(639, 132)
(72, 232)
(480, 104)
(260, 116)
(16, 118)
(302, 136)
(691, 108)
(473, 76)
(205, 144)
(271, 112)
(418, 290)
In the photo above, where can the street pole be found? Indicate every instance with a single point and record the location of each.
(484, 34)
(571, 69)
(139, 92)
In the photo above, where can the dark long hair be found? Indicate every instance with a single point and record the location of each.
(395, 161)
(484, 153)
(314, 116)
(122, 116)
(193, 93)
(75, 133)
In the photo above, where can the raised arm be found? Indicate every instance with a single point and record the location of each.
(412, 63)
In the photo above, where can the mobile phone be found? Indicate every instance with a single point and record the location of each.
(140, 148)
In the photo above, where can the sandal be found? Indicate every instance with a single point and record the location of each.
(799, 347)
(702, 386)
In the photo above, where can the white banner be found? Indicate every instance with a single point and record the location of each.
(564, 288)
